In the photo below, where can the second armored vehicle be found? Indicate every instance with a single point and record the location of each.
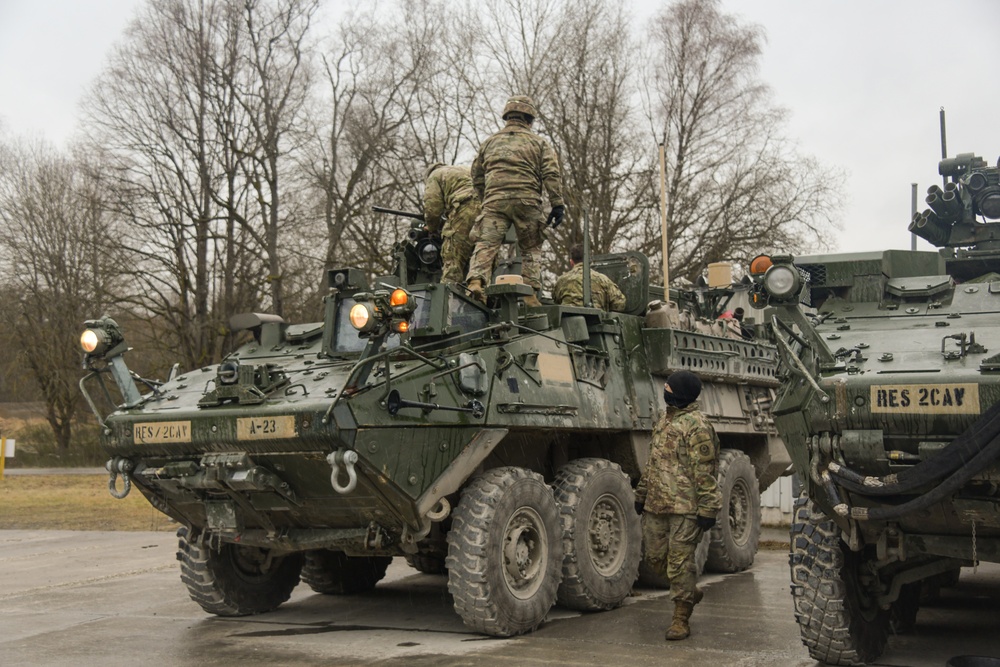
(497, 444)
(890, 408)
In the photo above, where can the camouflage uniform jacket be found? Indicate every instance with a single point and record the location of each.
(515, 163)
(680, 477)
(446, 190)
(603, 291)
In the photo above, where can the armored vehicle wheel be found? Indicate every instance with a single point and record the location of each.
(505, 552)
(427, 563)
(236, 580)
(602, 538)
(650, 577)
(336, 573)
(838, 622)
(734, 539)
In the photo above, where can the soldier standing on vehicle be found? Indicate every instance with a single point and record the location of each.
(604, 293)
(450, 209)
(679, 493)
(509, 173)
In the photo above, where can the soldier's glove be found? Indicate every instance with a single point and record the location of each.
(556, 216)
(639, 507)
(705, 522)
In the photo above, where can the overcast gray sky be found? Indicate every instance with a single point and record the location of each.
(862, 79)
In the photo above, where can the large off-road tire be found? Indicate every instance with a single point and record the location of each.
(336, 573)
(505, 552)
(650, 577)
(838, 622)
(734, 539)
(602, 538)
(236, 580)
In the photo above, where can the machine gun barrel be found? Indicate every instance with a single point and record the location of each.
(403, 214)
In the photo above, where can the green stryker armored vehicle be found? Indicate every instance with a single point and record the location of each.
(497, 444)
(890, 364)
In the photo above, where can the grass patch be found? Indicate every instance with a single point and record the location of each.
(36, 447)
(73, 502)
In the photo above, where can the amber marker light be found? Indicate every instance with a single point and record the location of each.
(399, 297)
(760, 264)
(401, 326)
(89, 340)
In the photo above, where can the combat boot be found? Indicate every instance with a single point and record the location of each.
(532, 301)
(699, 595)
(679, 628)
(475, 288)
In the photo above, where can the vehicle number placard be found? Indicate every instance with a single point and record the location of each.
(153, 433)
(265, 428)
(952, 399)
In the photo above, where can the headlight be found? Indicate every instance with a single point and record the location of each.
(95, 341)
(361, 317)
(90, 340)
(101, 338)
(782, 281)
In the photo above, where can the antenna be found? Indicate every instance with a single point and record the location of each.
(944, 145)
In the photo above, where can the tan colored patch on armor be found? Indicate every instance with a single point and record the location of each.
(950, 399)
(265, 428)
(555, 369)
(148, 433)
(841, 390)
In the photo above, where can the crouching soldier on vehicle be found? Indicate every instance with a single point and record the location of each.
(448, 192)
(604, 293)
(679, 493)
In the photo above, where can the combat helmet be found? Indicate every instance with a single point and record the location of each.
(521, 104)
(431, 169)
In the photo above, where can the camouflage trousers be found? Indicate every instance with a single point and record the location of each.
(496, 218)
(456, 241)
(670, 541)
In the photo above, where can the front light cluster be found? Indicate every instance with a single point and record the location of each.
(777, 280)
(376, 311)
(101, 337)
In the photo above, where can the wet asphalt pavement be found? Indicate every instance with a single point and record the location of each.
(107, 599)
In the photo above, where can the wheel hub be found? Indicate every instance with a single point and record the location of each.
(525, 552)
(606, 533)
(739, 513)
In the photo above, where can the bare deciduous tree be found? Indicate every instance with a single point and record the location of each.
(52, 222)
(735, 184)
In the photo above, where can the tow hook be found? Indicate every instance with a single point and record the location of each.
(348, 458)
(119, 466)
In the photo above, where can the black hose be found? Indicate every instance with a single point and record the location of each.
(938, 493)
(975, 440)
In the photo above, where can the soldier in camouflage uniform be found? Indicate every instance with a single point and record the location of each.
(448, 193)
(604, 293)
(509, 173)
(680, 494)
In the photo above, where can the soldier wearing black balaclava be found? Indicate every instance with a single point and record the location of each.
(679, 494)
